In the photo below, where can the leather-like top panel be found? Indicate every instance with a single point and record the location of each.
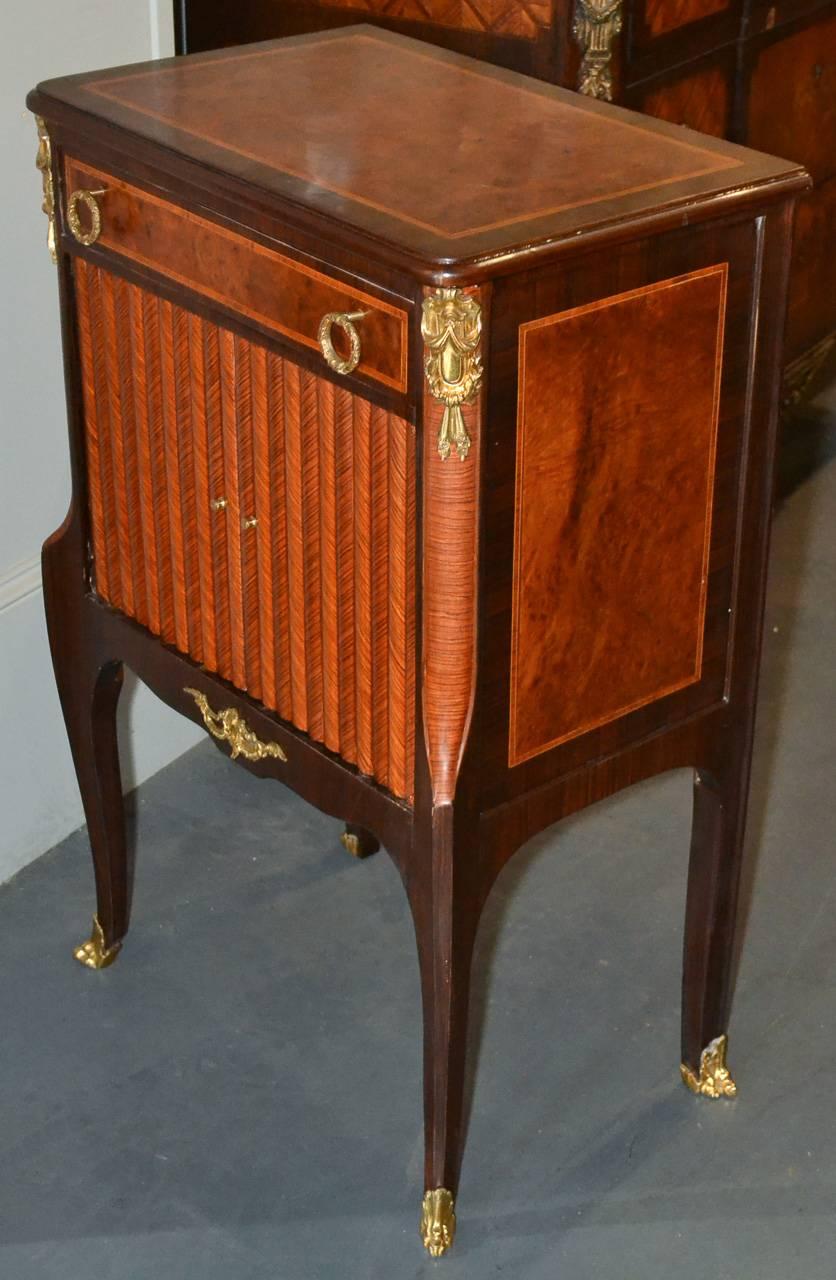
(429, 150)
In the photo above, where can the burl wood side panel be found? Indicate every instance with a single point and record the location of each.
(311, 609)
(701, 101)
(617, 422)
(792, 98)
(524, 18)
(247, 277)
(450, 579)
(668, 15)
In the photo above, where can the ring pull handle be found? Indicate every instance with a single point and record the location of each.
(85, 235)
(345, 321)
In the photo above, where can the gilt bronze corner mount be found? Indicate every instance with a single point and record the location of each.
(43, 162)
(452, 330)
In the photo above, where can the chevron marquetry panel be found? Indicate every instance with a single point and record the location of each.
(300, 590)
(525, 18)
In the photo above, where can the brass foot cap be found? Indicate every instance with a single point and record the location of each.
(356, 846)
(438, 1221)
(714, 1080)
(93, 954)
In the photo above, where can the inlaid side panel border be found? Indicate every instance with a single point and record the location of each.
(618, 410)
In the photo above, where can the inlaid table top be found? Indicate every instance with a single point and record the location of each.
(431, 152)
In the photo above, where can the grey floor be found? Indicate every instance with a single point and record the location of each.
(239, 1096)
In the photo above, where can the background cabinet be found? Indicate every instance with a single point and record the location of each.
(755, 72)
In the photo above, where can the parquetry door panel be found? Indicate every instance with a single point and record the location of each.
(615, 466)
(254, 516)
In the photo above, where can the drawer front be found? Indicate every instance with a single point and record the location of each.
(494, 17)
(792, 98)
(668, 33)
(700, 98)
(254, 516)
(662, 16)
(249, 279)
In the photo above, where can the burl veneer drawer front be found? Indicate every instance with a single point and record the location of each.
(615, 478)
(240, 274)
(254, 516)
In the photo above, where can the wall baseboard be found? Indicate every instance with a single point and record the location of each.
(39, 797)
(19, 581)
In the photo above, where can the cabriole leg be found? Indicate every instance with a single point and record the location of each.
(89, 691)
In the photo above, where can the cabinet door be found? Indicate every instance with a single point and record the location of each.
(255, 516)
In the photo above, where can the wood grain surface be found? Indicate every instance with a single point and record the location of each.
(311, 609)
(312, 130)
(451, 574)
(667, 15)
(241, 274)
(523, 18)
(800, 73)
(533, 166)
(617, 422)
(700, 99)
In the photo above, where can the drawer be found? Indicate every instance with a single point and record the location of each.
(700, 96)
(665, 33)
(659, 17)
(768, 15)
(243, 276)
(792, 98)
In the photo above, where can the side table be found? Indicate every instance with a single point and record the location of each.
(422, 420)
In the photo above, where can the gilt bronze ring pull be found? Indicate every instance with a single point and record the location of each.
(344, 321)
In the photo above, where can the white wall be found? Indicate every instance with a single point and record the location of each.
(39, 801)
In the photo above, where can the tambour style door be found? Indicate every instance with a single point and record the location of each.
(255, 516)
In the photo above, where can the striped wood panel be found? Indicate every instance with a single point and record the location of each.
(312, 609)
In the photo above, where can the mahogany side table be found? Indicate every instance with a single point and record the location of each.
(422, 421)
